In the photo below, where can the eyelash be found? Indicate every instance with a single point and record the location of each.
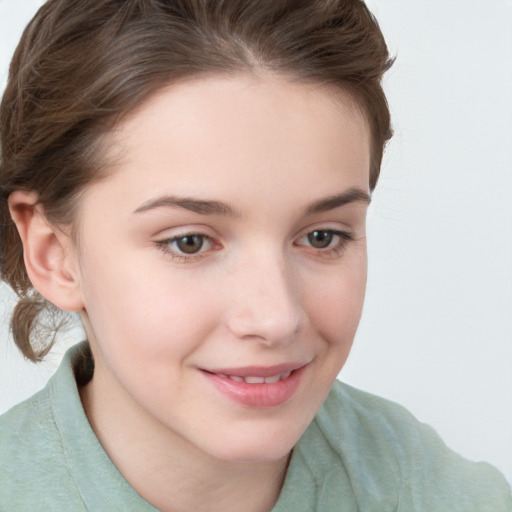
(165, 246)
(344, 237)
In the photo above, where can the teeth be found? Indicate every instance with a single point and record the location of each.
(254, 380)
(257, 380)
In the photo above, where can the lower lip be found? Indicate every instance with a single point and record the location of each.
(263, 395)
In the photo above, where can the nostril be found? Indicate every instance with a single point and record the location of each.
(265, 330)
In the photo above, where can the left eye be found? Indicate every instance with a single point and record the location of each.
(190, 244)
(320, 239)
(324, 238)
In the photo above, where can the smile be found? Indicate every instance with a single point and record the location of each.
(258, 387)
(257, 380)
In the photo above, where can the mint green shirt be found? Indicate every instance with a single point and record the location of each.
(360, 453)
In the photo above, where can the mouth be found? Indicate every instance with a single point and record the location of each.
(255, 379)
(260, 387)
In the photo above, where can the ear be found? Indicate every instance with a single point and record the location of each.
(49, 255)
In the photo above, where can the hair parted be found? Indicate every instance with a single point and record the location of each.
(82, 65)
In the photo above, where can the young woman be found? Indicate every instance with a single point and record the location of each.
(192, 177)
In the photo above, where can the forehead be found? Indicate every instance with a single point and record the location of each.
(218, 134)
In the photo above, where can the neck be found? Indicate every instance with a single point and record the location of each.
(167, 470)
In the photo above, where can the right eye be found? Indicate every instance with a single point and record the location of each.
(189, 244)
(186, 246)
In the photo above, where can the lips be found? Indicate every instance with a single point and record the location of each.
(253, 379)
(261, 387)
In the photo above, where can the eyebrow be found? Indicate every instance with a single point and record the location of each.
(208, 207)
(352, 195)
(201, 206)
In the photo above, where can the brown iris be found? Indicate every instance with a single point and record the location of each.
(190, 244)
(320, 239)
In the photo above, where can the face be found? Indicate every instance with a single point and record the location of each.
(222, 265)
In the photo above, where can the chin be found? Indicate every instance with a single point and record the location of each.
(265, 446)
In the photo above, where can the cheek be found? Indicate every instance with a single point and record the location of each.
(151, 315)
(147, 332)
(335, 307)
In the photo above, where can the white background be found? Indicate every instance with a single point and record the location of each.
(436, 333)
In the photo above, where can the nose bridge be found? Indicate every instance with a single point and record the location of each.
(267, 305)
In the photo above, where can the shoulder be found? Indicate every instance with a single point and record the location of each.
(19, 427)
(33, 461)
(384, 447)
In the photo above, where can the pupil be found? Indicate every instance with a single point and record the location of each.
(190, 244)
(320, 239)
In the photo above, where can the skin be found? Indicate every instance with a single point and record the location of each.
(258, 291)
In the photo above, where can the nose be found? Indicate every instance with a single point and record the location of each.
(266, 305)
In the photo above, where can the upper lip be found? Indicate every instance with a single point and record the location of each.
(258, 371)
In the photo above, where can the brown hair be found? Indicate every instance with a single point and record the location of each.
(80, 66)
